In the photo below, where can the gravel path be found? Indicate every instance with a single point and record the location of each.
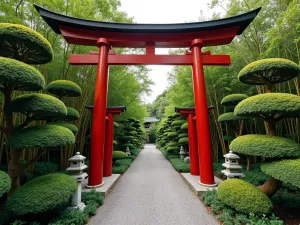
(151, 192)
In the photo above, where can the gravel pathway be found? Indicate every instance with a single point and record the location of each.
(151, 192)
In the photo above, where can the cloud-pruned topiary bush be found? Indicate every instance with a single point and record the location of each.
(183, 140)
(244, 197)
(70, 126)
(64, 88)
(184, 126)
(72, 114)
(4, 183)
(265, 146)
(233, 99)
(119, 155)
(42, 194)
(229, 116)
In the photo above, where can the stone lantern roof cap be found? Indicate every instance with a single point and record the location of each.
(231, 155)
(77, 157)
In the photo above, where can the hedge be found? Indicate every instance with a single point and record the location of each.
(244, 197)
(229, 116)
(233, 99)
(38, 49)
(287, 171)
(21, 75)
(269, 106)
(119, 155)
(180, 165)
(183, 135)
(5, 183)
(47, 136)
(42, 194)
(70, 126)
(184, 140)
(184, 126)
(42, 106)
(64, 88)
(273, 70)
(265, 146)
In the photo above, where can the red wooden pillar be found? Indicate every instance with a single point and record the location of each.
(99, 115)
(108, 147)
(194, 162)
(202, 122)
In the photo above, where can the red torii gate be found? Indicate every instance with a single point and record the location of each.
(150, 36)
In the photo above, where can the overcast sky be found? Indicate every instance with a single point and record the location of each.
(164, 11)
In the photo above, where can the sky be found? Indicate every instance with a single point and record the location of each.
(164, 11)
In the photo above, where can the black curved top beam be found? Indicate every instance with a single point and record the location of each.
(54, 20)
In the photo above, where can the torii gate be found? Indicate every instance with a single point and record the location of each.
(150, 36)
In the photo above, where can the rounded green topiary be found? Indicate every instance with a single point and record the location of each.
(116, 125)
(287, 171)
(21, 75)
(273, 70)
(244, 197)
(172, 148)
(40, 105)
(72, 114)
(172, 143)
(42, 194)
(265, 146)
(119, 155)
(233, 99)
(183, 135)
(172, 134)
(178, 122)
(47, 136)
(5, 183)
(70, 126)
(115, 142)
(229, 116)
(270, 106)
(64, 88)
(184, 140)
(184, 126)
(24, 44)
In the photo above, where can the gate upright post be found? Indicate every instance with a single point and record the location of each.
(99, 116)
(202, 122)
(108, 149)
(194, 161)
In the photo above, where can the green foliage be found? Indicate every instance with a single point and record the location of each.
(287, 171)
(172, 148)
(183, 135)
(64, 88)
(184, 140)
(116, 125)
(244, 197)
(119, 155)
(24, 44)
(269, 106)
(233, 99)
(90, 208)
(178, 122)
(180, 165)
(184, 126)
(21, 75)
(72, 114)
(42, 194)
(172, 134)
(70, 126)
(119, 169)
(92, 196)
(273, 70)
(228, 138)
(43, 168)
(120, 162)
(265, 146)
(47, 136)
(229, 116)
(40, 105)
(4, 183)
(71, 217)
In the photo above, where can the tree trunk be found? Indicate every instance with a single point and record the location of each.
(269, 87)
(248, 163)
(271, 127)
(15, 169)
(270, 187)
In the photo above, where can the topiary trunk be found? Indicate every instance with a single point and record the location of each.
(270, 187)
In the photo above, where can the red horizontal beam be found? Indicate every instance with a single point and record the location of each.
(87, 59)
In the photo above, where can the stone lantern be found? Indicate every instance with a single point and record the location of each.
(232, 166)
(182, 152)
(76, 170)
(128, 151)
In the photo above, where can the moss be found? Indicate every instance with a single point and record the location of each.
(233, 99)
(70, 126)
(265, 146)
(119, 155)
(270, 106)
(184, 140)
(178, 122)
(244, 197)
(184, 126)
(64, 88)
(40, 105)
(42, 194)
(287, 171)
(16, 39)
(273, 70)
(4, 183)
(21, 75)
(183, 135)
(47, 136)
(229, 116)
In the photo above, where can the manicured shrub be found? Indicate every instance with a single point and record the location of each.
(42, 194)
(64, 88)
(270, 106)
(38, 49)
(119, 155)
(287, 171)
(4, 183)
(21, 75)
(119, 169)
(72, 114)
(229, 116)
(184, 140)
(47, 136)
(184, 126)
(172, 148)
(183, 135)
(126, 162)
(172, 134)
(71, 217)
(90, 208)
(92, 196)
(244, 197)
(135, 151)
(43, 168)
(180, 165)
(116, 125)
(172, 143)
(265, 146)
(233, 99)
(178, 122)
(70, 126)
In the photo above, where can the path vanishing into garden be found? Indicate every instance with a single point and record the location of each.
(152, 192)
